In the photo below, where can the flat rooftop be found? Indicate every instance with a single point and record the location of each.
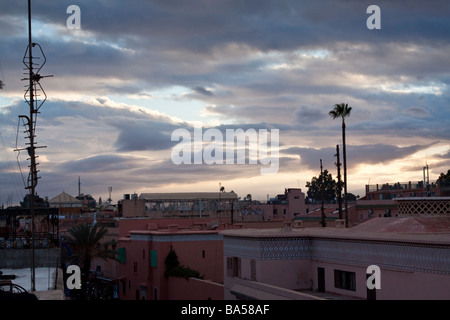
(188, 196)
(432, 230)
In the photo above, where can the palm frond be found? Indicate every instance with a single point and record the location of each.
(85, 241)
(340, 110)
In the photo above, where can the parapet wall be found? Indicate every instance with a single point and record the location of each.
(21, 258)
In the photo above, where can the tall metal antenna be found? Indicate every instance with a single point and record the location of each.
(32, 98)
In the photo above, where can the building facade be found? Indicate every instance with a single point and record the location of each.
(145, 244)
(179, 205)
(335, 261)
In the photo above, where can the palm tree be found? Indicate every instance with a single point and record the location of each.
(342, 111)
(85, 243)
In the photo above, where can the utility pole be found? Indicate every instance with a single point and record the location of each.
(322, 186)
(79, 187)
(338, 164)
(32, 98)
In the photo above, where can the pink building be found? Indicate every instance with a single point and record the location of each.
(333, 262)
(283, 207)
(144, 245)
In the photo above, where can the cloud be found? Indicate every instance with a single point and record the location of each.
(203, 91)
(356, 154)
(418, 112)
(144, 135)
(307, 115)
(273, 64)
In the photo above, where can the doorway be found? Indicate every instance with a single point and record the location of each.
(321, 279)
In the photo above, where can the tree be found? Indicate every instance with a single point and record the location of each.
(314, 187)
(444, 179)
(351, 197)
(343, 111)
(85, 242)
(175, 269)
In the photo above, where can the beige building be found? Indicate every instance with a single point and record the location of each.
(181, 204)
(68, 205)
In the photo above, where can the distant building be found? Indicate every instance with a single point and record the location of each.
(283, 207)
(392, 200)
(87, 201)
(183, 204)
(67, 204)
(389, 191)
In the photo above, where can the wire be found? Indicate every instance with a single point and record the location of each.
(18, 154)
(5, 147)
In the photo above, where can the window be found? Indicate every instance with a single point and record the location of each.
(135, 267)
(153, 260)
(143, 254)
(345, 280)
(203, 253)
(233, 267)
(253, 270)
(143, 293)
(124, 287)
(121, 255)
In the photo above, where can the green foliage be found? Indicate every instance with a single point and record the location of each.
(324, 180)
(183, 272)
(171, 261)
(341, 110)
(174, 269)
(444, 179)
(85, 242)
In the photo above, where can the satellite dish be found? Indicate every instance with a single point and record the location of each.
(213, 225)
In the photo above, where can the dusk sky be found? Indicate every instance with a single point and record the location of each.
(138, 70)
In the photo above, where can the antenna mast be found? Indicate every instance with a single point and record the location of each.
(32, 99)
